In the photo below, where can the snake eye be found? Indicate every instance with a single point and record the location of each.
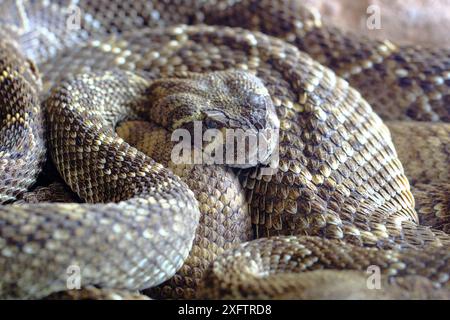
(210, 124)
(214, 119)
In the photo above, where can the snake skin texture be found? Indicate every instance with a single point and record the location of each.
(133, 202)
(400, 83)
(21, 132)
(269, 267)
(92, 293)
(110, 200)
(225, 220)
(54, 192)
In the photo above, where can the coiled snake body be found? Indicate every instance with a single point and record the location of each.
(339, 198)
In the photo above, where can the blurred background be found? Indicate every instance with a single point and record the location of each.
(422, 22)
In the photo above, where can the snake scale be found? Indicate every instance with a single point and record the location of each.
(87, 179)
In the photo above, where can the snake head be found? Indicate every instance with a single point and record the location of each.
(231, 110)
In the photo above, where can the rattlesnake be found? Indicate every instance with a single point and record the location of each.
(338, 176)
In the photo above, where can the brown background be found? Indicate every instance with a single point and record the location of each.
(424, 22)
